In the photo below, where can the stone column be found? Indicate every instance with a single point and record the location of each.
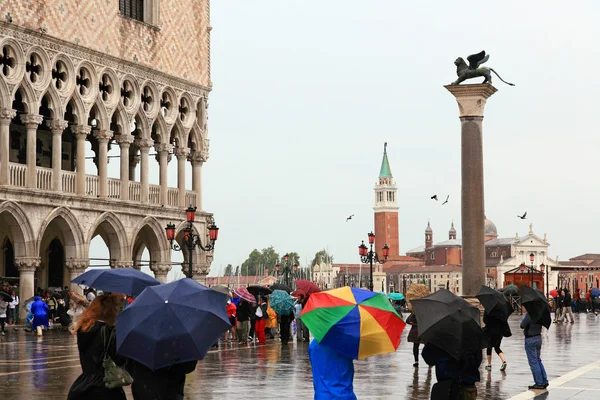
(164, 156)
(161, 271)
(121, 264)
(80, 132)
(181, 154)
(103, 138)
(76, 268)
(124, 143)
(6, 116)
(27, 267)
(31, 122)
(197, 160)
(144, 145)
(471, 102)
(57, 126)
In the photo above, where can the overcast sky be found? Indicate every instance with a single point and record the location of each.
(306, 93)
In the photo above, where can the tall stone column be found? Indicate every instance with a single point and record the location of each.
(124, 143)
(197, 160)
(144, 145)
(57, 127)
(76, 268)
(103, 138)
(161, 271)
(471, 102)
(80, 132)
(181, 154)
(27, 267)
(133, 162)
(163, 157)
(31, 122)
(6, 116)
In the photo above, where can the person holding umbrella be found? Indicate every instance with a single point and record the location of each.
(497, 311)
(40, 315)
(260, 318)
(537, 315)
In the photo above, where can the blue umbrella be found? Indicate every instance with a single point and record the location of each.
(281, 302)
(396, 296)
(128, 281)
(595, 292)
(172, 323)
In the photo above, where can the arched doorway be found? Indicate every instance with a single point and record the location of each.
(10, 269)
(56, 264)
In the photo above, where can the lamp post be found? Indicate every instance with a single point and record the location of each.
(190, 239)
(531, 258)
(367, 255)
(543, 269)
(287, 269)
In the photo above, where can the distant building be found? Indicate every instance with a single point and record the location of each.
(325, 274)
(581, 272)
(234, 282)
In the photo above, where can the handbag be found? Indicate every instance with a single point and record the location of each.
(114, 376)
(259, 312)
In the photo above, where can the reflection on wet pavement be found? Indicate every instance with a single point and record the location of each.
(30, 366)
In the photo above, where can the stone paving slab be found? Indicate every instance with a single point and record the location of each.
(30, 366)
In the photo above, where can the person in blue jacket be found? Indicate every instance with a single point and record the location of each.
(332, 373)
(40, 313)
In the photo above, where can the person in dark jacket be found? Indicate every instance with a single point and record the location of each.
(560, 303)
(243, 317)
(455, 378)
(261, 319)
(99, 317)
(163, 384)
(495, 329)
(413, 336)
(533, 348)
(284, 327)
(567, 308)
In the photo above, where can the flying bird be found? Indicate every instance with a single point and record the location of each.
(434, 197)
(446, 200)
(349, 218)
(524, 216)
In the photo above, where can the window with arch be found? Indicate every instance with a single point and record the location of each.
(432, 256)
(494, 254)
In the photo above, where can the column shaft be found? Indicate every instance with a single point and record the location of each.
(31, 122)
(163, 157)
(57, 126)
(181, 154)
(27, 267)
(103, 139)
(124, 143)
(6, 116)
(80, 132)
(144, 145)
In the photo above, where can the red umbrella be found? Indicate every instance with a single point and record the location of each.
(307, 287)
(553, 293)
(298, 293)
(244, 294)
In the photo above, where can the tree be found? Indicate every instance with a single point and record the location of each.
(237, 270)
(323, 256)
(228, 270)
(267, 258)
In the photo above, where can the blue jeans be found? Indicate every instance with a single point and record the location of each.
(533, 348)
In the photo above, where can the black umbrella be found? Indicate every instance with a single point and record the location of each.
(281, 286)
(258, 290)
(449, 322)
(537, 306)
(5, 296)
(495, 303)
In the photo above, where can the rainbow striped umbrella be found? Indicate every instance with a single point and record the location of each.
(355, 322)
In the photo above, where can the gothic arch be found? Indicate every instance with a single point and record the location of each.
(111, 230)
(195, 137)
(123, 119)
(54, 103)
(179, 135)
(151, 235)
(5, 96)
(28, 96)
(14, 218)
(103, 118)
(70, 230)
(78, 109)
(161, 129)
(144, 127)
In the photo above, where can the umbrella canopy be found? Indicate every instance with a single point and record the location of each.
(511, 289)
(307, 287)
(281, 302)
(298, 293)
(244, 294)
(118, 280)
(449, 322)
(222, 289)
(281, 286)
(396, 296)
(5, 296)
(355, 322)
(78, 298)
(495, 303)
(553, 293)
(595, 292)
(416, 291)
(171, 323)
(258, 290)
(537, 306)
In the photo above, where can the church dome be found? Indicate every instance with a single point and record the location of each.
(489, 229)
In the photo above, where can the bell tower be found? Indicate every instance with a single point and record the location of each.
(386, 210)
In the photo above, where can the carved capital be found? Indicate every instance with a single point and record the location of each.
(144, 144)
(124, 140)
(31, 121)
(57, 125)
(196, 157)
(160, 147)
(81, 131)
(121, 264)
(6, 115)
(205, 149)
(181, 152)
(103, 136)
(77, 266)
(28, 264)
(471, 99)
(160, 269)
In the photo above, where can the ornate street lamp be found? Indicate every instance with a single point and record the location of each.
(191, 240)
(287, 269)
(367, 255)
(531, 259)
(543, 269)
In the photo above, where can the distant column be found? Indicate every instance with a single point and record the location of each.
(76, 268)
(57, 127)
(164, 151)
(27, 267)
(471, 102)
(6, 116)
(181, 154)
(124, 143)
(161, 271)
(103, 138)
(144, 145)
(81, 132)
(31, 122)
(197, 160)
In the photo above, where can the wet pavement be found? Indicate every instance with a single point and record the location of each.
(30, 366)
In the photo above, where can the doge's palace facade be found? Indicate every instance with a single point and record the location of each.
(77, 79)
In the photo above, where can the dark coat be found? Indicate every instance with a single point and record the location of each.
(495, 327)
(413, 335)
(162, 384)
(90, 384)
(244, 309)
(568, 299)
(465, 370)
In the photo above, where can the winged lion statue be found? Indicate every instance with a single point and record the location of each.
(474, 69)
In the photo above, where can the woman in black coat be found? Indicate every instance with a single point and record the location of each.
(98, 317)
(495, 329)
(163, 384)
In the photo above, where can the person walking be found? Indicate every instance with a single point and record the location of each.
(261, 320)
(95, 340)
(52, 305)
(495, 329)
(299, 323)
(332, 372)
(533, 348)
(231, 311)
(243, 319)
(560, 303)
(3, 308)
(271, 322)
(12, 308)
(413, 336)
(567, 307)
(40, 315)
(284, 327)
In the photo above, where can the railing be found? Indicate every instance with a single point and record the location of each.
(68, 181)
(114, 188)
(135, 190)
(91, 185)
(17, 174)
(44, 178)
(190, 198)
(173, 197)
(154, 194)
